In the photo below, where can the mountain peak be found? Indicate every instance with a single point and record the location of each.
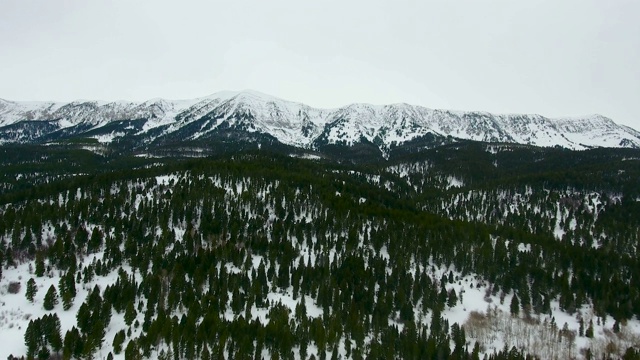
(246, 93)
(297, 124)
(255, 93)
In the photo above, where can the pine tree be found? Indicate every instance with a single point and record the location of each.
(39, 265)
(475, 355)
(95, 242)
(32, 338)
(73, 344)
(50, 298)
(67, 288)
(205, 355)
(515, 305)
(44, 353)
(81, 237)
(70, 284)
(130, 314)
(32, 289)
(525, 299)
(131, 351)
(589, 332)
(52, 332)
(67, 300)
(452, 298)
(631, 354)
(118, 340)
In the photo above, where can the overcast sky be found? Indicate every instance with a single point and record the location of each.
(555, 58)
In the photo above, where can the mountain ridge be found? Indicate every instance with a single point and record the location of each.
(300, 125)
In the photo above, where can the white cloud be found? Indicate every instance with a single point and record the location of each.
(550, 57)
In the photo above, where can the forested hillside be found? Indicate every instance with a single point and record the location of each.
(465, 251)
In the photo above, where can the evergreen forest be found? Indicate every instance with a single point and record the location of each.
(264, 255)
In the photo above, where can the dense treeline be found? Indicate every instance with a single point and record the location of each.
(269, 256)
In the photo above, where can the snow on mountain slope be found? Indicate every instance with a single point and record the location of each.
(289, 122)
(300, 125)
(12, 112)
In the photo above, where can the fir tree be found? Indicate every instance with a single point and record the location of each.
(589, 332)
(452, 298)
(515, 305)
(130, 314)
(52, 332)
(32, 337)
(50, 298)
(118, 341)
(39, 265)
(32, 289)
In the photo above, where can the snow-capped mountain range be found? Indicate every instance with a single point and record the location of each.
(295, 124)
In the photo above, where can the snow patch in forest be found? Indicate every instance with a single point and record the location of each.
(524, 247)
(454, 182)
(306, 156)
(16, 311)
(108, 138)
(166, 179)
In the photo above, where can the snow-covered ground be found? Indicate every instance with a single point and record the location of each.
(484, 314)
(16, 310)
(476, 304)
(476, 301)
